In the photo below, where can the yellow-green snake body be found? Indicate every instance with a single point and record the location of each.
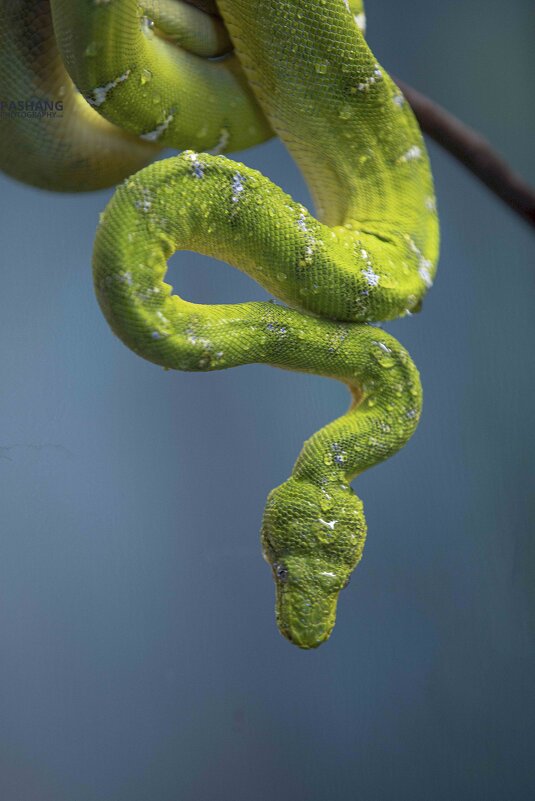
(302, 69)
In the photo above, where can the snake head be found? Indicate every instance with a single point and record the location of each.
(313, 538)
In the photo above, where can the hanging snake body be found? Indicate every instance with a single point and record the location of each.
(301, 69)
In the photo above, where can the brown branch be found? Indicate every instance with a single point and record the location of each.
(472, 150)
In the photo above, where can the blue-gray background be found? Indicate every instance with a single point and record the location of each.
(139, 654)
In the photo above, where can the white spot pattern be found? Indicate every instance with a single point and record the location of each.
(101, 92)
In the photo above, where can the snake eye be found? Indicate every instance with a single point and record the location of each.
(281, 572)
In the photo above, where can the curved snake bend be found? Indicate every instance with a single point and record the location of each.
(131, 78)
(370, 255)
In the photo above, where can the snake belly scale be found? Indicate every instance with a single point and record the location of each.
(301, 69)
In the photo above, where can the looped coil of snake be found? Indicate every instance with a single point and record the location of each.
(130, 78)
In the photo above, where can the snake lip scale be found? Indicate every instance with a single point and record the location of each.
(207, 80)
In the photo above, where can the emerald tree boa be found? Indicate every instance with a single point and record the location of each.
(207, 80)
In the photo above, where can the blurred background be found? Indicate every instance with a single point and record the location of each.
(139, 653)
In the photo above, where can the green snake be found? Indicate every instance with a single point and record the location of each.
(172, 74)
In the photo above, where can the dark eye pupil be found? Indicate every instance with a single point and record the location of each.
(281, 572)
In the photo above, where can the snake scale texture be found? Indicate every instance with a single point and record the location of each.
(135, 77)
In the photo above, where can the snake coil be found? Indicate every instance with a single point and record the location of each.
(167, 73)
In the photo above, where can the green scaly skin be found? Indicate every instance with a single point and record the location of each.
(176, 95)
(370, 255)
(185, 87)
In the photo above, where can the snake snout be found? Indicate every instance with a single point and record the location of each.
(306, 599)
(304, 618)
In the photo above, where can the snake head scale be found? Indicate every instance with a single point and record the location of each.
(313, 538)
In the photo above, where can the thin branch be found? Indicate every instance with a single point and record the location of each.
(472, 150)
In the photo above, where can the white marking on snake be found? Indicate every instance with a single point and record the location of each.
(360, 19)
(238, 186)
(152, 136)
(412, 153)
(329, 523)
(371, 277)
(222, 143)
(197, 168)
(101, 92)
